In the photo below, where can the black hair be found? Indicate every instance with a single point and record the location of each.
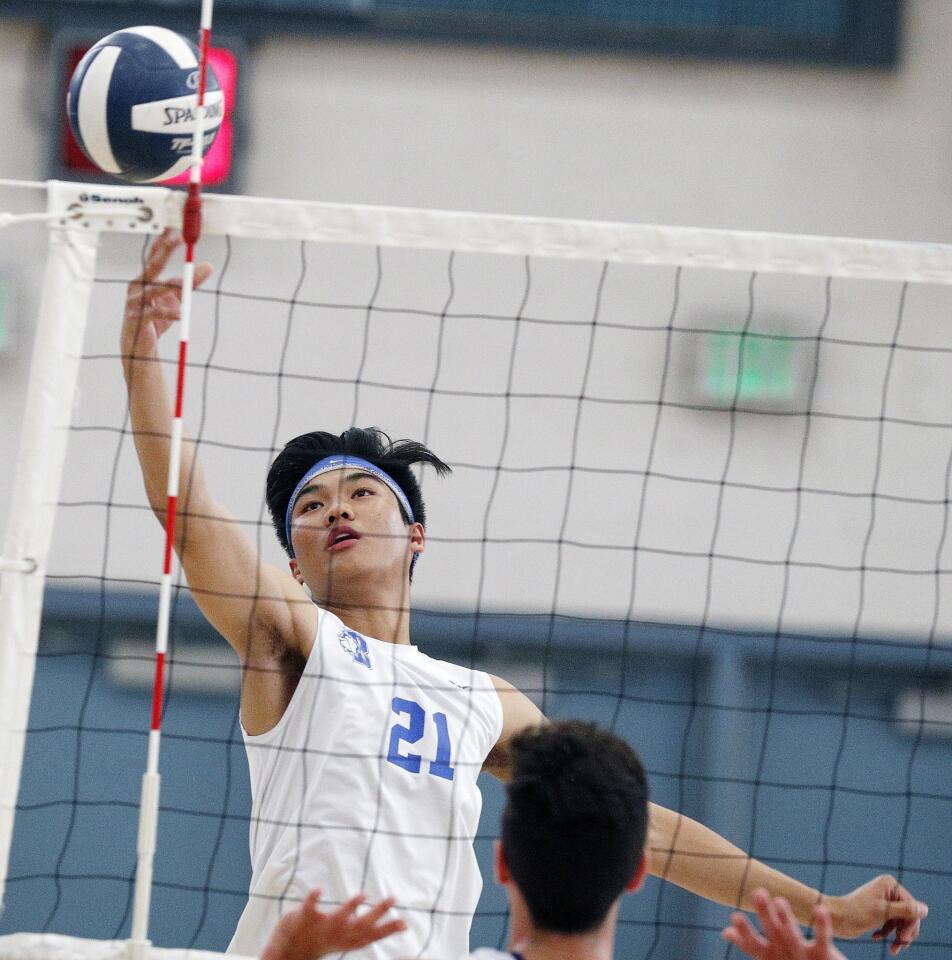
(575, 823)
(395, 457)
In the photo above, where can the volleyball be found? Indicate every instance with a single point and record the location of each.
(132, 102)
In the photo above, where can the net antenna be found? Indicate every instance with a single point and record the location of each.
(149, 804)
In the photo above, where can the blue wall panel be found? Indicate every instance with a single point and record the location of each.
(791, 752)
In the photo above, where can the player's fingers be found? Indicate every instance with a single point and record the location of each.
(906, 933)
(149, 299)
(788, 930)
(742, 934)
(907, 910)
(161, 314)
(172, 285)
(203, 271)
(166, 290)
(785, 916)
(761, 901)
(363, 938)
(375, 913)
(905, 915)
(138, 292)
(746, 930)
(135, 300)
(823, 929)
(886, 929)
(167, 301)
(388, 929)
(311, 900)
(767, 912)
(777, 927)
(752, 950)
(902, 905)
(348, 908)
(159, 253)
(738, 928)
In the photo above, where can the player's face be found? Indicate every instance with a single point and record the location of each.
(346, 523)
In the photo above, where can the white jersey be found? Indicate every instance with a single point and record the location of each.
(368, 784)
(486, 954)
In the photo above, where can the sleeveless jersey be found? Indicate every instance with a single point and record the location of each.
(368, 784)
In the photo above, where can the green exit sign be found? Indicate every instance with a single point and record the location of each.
(751, 369)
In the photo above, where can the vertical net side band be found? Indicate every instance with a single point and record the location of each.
(60, 330)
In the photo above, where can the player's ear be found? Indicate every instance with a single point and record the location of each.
(500, 867)
(417, 538)
(296, 571)
(644, 865)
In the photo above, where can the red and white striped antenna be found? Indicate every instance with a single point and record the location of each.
(149, 804)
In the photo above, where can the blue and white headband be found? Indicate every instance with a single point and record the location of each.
(340, 461)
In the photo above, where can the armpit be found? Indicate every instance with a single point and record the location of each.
(498, 761)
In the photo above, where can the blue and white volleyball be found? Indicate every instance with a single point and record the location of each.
(132, 102)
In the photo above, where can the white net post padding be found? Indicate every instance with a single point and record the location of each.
(75, 214)
(67, 288)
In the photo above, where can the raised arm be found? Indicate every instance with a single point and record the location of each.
(258, 608)
(694, 857)
(518, 713)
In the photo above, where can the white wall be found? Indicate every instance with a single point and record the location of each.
(600, 137)
(805, 150)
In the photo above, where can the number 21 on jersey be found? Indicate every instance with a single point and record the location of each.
(411, 732)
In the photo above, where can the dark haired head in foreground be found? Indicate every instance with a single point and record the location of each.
(574, 829)
(573, 832)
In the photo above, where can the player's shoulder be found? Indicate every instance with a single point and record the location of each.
(333, 638)
(460, 676)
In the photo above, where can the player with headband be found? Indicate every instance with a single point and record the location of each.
(363, 752)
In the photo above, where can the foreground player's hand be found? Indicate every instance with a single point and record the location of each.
(153, 305)
(782, 938)
(884, 906)
(306, 933)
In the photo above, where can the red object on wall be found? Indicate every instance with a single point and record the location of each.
(217, 166)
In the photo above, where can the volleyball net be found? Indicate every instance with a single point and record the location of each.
(700, 494)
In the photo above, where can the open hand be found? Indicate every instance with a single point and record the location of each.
(782, 938)
(306, 933)
(153, 305)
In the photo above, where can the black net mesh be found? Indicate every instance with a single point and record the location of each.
(706, 508)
